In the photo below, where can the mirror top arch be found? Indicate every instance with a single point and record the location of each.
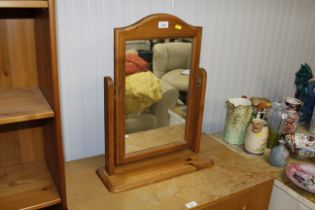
(159, 26)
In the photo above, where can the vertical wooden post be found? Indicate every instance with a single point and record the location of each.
(199, 108)
(109, 116)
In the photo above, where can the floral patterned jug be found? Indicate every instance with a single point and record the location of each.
(291, 122)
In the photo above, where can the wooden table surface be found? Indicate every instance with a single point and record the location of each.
(278, 173)
(230, 174)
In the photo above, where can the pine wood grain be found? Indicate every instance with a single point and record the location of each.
(28, 60)
(19, 105)
(199, 109)
(24, 4)
(144, 140)
(153, 170)
(21, 143)
(109, 126)
(231, 174)
(31, 142)
(18, 68)
(250, 199)
(154, 142)
(9, 148)
(44, 52)
(27, 186)
(53, 130)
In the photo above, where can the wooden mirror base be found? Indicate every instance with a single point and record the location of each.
(153, 170)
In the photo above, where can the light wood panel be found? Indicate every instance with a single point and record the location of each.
(29, 98)
(250, 199)
(153, 170)
(19, 105)
(18, 67)
(199, 109)
(145, 140)
(27, 186)
(9, 149)
(44, 56)
(31, 142)
(23, 4)
(21, 143)
(53, 130)
(230, 174)
(54, 158)
(109, 118)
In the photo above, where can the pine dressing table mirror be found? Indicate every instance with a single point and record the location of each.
(153, 111)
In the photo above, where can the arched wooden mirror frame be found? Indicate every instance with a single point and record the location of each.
(148, 29)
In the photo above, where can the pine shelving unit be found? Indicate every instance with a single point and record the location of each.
(31, 154)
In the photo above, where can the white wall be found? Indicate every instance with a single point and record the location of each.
(250, 47)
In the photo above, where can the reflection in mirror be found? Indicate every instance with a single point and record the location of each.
(156, 89)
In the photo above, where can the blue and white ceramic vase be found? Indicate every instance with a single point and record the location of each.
(279, 155)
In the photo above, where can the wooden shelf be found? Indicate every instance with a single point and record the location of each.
(27, 186)
(23, 4)
(20, 105)
(30, 122)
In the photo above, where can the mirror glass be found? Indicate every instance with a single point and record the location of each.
(156, 88)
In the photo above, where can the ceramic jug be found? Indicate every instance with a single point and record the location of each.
(256, 137)
(239, 113)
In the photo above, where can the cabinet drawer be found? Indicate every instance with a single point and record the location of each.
(254, 198)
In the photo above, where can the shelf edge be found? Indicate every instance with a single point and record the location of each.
(23, 4)
(44, 194)
(22, 119)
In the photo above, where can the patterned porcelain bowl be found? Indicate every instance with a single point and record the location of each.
(301, 145)
(302, 175)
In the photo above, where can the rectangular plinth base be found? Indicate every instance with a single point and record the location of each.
(153, 170)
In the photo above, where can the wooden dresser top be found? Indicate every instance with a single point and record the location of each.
(230, 174)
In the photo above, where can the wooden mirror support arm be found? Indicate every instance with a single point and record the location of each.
(119, 178)
(199, 108)
(109, 116)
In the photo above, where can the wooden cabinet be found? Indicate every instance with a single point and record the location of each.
(31, 155)
(254, 198)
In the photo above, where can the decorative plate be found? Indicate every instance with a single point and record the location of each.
(301, 145)
(302, 175)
